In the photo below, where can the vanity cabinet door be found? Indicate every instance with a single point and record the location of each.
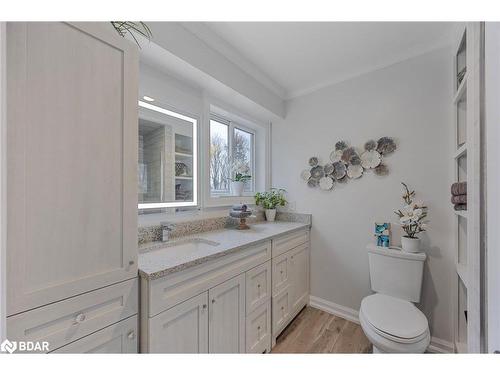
(299, 277)
(182, 328)
(281, 272)
(72, 161)
(227, 316)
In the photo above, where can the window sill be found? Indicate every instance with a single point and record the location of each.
(228, 200)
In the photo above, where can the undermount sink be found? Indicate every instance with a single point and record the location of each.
(187, 246)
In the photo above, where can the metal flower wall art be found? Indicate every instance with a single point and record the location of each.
(348, 163)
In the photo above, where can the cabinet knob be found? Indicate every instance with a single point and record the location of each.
(131, 335)
(258, 285)
(258, 328)
(213, 301)
(79, 318)
(204, 306)
(131, 263)
(281, 271)
(282, 307)
(292, 256)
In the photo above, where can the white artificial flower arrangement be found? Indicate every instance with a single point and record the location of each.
(241, 171)
(412, 215)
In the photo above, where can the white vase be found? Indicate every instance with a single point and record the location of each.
(270, 214)
(410, 245)
(237, 188)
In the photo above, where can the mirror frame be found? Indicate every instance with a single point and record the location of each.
(194, 123)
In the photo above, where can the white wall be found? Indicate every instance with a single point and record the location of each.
(410, 101)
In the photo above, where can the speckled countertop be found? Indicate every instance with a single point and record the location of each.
(159, 259)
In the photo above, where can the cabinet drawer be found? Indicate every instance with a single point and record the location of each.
(118, 338)
(258, 285)
(281, 310)
(258, 329)
(283, 244)
(281, 273)
(63, 322)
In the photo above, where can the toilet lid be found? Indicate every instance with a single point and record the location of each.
(394, 316)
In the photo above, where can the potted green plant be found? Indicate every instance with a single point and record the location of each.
(270, 200)
(411, 218)
(241, 176)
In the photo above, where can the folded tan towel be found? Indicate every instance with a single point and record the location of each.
(459, 199)
(459, 188)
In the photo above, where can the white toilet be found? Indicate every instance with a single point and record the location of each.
(389, 318)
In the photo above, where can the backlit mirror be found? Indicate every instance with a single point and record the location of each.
(167, 170)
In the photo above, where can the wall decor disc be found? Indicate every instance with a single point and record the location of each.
(313, 161)
(354, 171)
(336, 155)
(386, 145)
(370, 159)
(328, 168)
(312, 182)
(326, 183)
(317, 172)
(339, 170)
(306, 174)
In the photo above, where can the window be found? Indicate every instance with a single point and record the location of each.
(231, 151)
(167, 170)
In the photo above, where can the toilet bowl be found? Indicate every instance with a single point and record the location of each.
(393, 325)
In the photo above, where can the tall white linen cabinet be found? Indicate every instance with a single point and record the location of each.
(71, 187)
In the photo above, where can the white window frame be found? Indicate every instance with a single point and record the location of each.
(177, 114)
(232, 125)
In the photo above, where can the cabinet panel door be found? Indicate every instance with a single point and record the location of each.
(118, 338)
(299, 279)
(182, 328)
(258, 286)
(72, 161)
(227, 316)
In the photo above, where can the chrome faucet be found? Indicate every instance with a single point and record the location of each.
(166, 228)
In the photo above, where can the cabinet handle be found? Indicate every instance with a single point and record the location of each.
(258, 328)
(282, 307)
(281, 271)
(131, 335)
(292, 256)
(79, 318)
(213, 301)
(258, 285)
(204, 306)
(131, 263)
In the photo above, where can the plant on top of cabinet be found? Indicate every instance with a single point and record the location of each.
(130, 27)
(270, 200)
(411, 218)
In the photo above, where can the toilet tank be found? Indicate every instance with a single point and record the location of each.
(396, 273)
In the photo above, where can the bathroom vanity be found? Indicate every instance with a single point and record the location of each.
(224, 291)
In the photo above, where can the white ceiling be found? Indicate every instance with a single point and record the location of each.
(301, 57)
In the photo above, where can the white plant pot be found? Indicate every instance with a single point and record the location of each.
(237, 188)
(271, 215)
(410, 245)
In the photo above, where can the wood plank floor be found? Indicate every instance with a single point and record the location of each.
(315, 331)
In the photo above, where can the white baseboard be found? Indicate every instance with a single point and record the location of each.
(440, 346)
(332, 308)
(437, 345)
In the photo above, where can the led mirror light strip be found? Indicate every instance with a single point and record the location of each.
(194, 122)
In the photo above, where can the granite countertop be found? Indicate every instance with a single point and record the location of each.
(159, 259)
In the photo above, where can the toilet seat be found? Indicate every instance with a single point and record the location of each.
(393, 324)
